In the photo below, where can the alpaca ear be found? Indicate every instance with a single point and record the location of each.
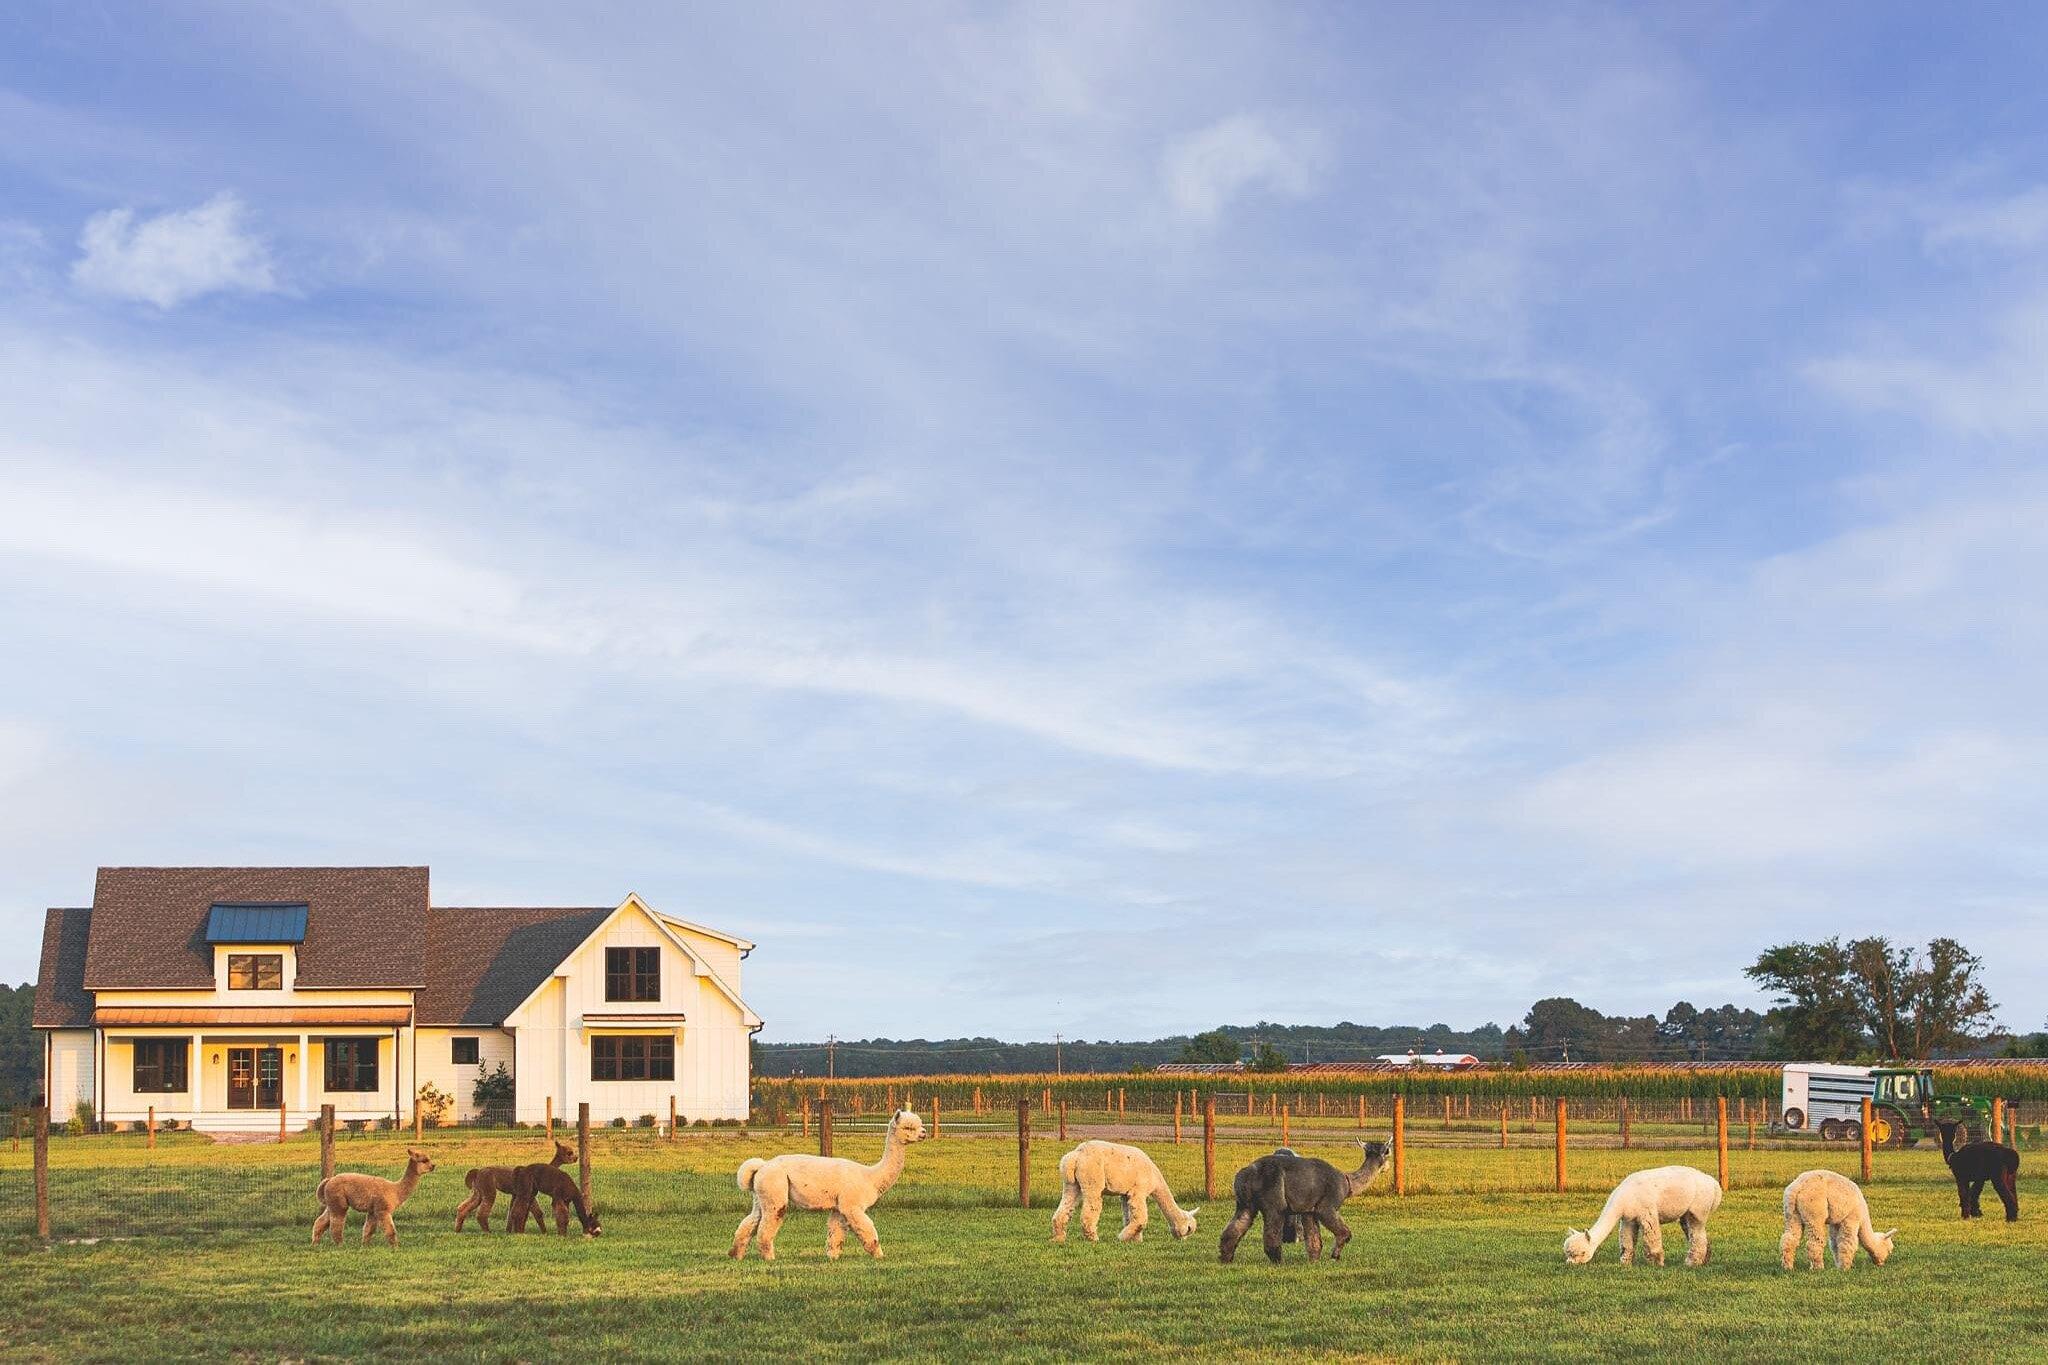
(1888, 1233)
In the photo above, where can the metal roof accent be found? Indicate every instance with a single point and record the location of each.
(270, 1015)
(256, 922)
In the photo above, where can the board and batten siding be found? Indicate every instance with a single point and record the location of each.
(438, 1068)
(71, 1078)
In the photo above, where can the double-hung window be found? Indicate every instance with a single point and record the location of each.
(160, 1066)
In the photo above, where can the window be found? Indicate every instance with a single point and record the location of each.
(351, 1063)
(255, 971)
(632, 973)
(632, 1058)
(160, 1066)
(463, 1051)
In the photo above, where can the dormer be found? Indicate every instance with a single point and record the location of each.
(255, 946)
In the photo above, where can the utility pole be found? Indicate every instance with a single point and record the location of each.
(1059, 1055)
(831, 1066)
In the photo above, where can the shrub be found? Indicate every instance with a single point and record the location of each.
(357, 1126)
(701, 1123)
(648, 1121)
(82, 1116)
(435, 1104)
(492, 1093)
(619, 1122)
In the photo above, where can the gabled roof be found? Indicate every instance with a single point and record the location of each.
(482, 963)
(366, 927)
(62, 1000)
(744, 945)
(668, 931)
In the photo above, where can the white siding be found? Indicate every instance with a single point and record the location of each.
(71, 1078)
(438, 1068)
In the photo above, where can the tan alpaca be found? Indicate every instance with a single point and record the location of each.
(845, 1190)
(1094, 1168)
(1821, 1206)
(371, 1195)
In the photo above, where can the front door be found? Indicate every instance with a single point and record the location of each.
(255, 1077)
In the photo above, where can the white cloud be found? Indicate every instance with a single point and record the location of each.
(1203, 172)
(2015, 222)
(173, 257)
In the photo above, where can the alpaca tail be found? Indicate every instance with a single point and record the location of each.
(469, 1177)
(748, 1170)
(320, 1191)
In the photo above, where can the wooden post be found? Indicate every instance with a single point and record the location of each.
(1048, 1100)
(1400, 1144)
(583, 1151)
(326, 1140)
(551, 1118)
(1176, 1118)
(1283, 1125)
(1247, 1106)
(151, 1144)
(418, 1118)
(1209, 1147)
(1997, 1119)
(803, 1112)
(1063, 1120)
(1023, 1154)
(1361, 1111)
(1322, 1104)
(892, 1101)
(1503, 1126)
(824, 1125)
(1119, 1104)
(42, 1160)
(1447, 1111)
(1865, 1125)
(1560, 1144)
(935, 1115)
(1752, 1135)
(1624, 1123)
(1721, 1135)
(671, 1118)
(281, 1113)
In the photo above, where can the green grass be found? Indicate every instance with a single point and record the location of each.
(1470, 1271)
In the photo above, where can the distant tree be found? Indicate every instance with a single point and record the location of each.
(1213, 1046)
(1560, 1027)
(1951, 1008)
(1837, 1001)
(1269, 1058)
(21, 1054)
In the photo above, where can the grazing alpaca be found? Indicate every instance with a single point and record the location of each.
(1973, 1163)
(1278, 1187)
(844, 1189)
(1821, 1206)
(1095, 1167)
(529, 1183)
(1641, 1204)
(371, 1195)
(486, 1183)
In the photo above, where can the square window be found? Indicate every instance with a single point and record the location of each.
(160, 1066)
(255, 971)
(632, 974)
(351, 1064)
(464, 1051)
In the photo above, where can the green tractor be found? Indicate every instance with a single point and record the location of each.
(1904, 1107)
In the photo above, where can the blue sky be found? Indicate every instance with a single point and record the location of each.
(1110, 518)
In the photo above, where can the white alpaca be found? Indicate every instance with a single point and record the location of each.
(845, 1190)
(1641, 1205)
(1095, 1167)
(1823, 1206)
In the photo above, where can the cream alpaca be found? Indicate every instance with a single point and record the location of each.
(1095, 1167)
(845, 1190)
(1823, 1206)
(371, 1195)
(1641, 1204)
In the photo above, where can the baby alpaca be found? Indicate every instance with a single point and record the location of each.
(371, 1195)
(1641, 1205)
(1973, 1164)
(1823, 1206)
(1291, 1193)
(844, 1189)
(1095, 1167)
(486, 1183)
(529, 1183)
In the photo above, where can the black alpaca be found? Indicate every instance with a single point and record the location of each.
(1279, 1187)
(529, 1183)
(1973, 1163)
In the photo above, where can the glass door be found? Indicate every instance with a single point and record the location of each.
(269, 1077)
(241, 1078)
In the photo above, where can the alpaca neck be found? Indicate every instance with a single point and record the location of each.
(1609, 1216)
(1867, 1235)
(890, 1166)
(408, 1182)
(1356, 1181)
(1164, 1194)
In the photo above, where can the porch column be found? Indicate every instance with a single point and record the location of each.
(305, 1065)
(195, 1075)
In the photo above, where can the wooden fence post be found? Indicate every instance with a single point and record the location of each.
(671, 1118)
(1361, 1111)
(1751, 1144)
(1023, 1154)
(892, 1101)
(551, 1118)
(1248, 1111)
(1063, 1120)
(1209, 1146)
(326, 1140)
(1447, 1111)
(281, 1111)
(824, 1125)
(1119, 1104)
(1400, 1144)
(582, 1152)
(935, 1115)
(1721, 1135)
(1283, 1125)
(1624, 1123)
(1997, 1118)
(1560, 1144)
(152, 1128)
(1865, 1126)
(418, 1118)
(42, 1160)
(1048, 1100)
(1176, 1118)
(1503, 1126)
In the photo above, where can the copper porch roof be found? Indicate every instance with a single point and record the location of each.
(270, 1016)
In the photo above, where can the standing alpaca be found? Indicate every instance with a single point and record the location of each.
(529, 1183)
(1973, 1163)
(1641, 1205)
(371, 1195)
(1095, 1167)
(1821, 1206)
(1275, 1188)
(486, 1183)
(845, 1190)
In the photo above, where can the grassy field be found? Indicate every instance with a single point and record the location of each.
(1466, 1267)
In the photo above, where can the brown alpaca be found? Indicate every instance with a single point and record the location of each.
(529, 1183)
(487, 1182)
(371, 1195)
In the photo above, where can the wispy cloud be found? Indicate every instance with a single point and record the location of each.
(175, 256)
(1205, 171)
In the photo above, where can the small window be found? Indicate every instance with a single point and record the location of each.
(351, 1064)
(632, 974)
(633, 1058)
(255, 971)
(463, 1051)
(160, 1066)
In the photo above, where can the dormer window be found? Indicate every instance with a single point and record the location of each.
(632, 974)
(255, 971)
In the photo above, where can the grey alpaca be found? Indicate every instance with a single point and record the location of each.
(1283, 1186)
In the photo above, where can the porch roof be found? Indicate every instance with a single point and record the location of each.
(263, 1017)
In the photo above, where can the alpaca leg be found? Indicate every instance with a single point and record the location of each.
(1134, 1219)
(1235, 1231)
(1070, 1196)
(1339, 1229)
(1844, 1237)
(1976, 1199)
(561, 1218)
(1625, 1236)
(1091, 1210)
(744, 1233)
(1653, 1241)
(390, 1228)
(1788, 1245)
(771, 1223)
(2008, 1187)
(864, 1228)
(1696, 1250)
(1311, 1234)
(320, 1227)
(835, 1234)
(1816, 1247)
(1273, 1215)
(485, 1202)
(337, 1221)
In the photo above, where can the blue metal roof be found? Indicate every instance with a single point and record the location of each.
(256, 922)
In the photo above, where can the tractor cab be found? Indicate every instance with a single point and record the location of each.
(1909, 1090)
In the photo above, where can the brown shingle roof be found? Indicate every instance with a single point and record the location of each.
(61, 998)
(365, 926)
(482, 963)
